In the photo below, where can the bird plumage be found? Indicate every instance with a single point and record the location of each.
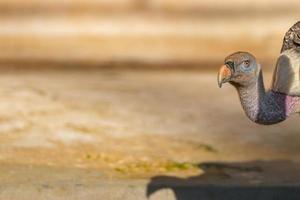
(286, 77)
(291, 38)
(245, 74)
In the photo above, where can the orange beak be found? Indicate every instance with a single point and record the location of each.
(224, 75)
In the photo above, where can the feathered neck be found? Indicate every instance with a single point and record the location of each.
(261, 106)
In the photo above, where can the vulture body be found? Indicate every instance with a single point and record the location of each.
(242, 70)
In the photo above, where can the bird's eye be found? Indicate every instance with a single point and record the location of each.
(246, 63)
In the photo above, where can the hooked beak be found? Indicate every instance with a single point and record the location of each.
(224, 75)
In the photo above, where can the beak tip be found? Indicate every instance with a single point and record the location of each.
(224, 75)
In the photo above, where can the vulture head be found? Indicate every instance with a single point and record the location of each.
(239, 69)
(273, 105)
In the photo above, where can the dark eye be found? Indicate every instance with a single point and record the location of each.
(246, 63)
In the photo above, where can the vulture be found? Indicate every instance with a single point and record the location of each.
(242, 70)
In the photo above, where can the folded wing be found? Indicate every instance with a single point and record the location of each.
(286, 78)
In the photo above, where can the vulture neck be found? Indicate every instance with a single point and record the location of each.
(261, 106)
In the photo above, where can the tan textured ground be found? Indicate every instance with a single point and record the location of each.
(131, 124)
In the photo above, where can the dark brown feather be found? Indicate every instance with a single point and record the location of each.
(291, 39)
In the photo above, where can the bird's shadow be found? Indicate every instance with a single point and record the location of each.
(266, 180)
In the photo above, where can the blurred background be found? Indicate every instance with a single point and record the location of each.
(140, 33)
(129, 86)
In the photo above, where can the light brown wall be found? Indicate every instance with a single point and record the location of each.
(169, 32)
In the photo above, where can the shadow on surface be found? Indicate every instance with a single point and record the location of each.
(234, 181)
